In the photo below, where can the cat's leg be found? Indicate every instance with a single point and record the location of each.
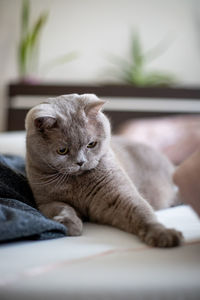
(65, 214)
(144, 224)
(149, 230)
(137, 217)
(117, 202)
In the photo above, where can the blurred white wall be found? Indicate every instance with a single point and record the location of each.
(94, 28)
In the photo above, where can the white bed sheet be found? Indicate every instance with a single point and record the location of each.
(104, 263)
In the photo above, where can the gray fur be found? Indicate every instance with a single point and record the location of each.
(116, 182)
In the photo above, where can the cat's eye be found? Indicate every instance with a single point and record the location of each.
(63, 151)
(91, 145)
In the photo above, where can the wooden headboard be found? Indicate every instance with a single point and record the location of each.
(135, 102)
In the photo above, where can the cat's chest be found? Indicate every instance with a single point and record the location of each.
(74, 191)
(78, 191)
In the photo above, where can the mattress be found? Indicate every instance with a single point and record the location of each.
(103, 263)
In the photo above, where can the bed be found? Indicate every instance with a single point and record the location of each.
(103, 263)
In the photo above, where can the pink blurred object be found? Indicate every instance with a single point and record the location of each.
(178, 137)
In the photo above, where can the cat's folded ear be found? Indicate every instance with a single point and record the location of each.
(45, 123)
(93, 108)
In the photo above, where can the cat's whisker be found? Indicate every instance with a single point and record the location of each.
(59, 180)
(47, 176)
(45, 181)
(64, 178)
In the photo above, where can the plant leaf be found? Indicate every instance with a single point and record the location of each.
(23, 54)
(25, 18)
(22, 47)
(136, 51)
(35, 32)
(159, 78)
(33, 42)
(29, 39)
(156, 51)
(63, 59)
(117, 60)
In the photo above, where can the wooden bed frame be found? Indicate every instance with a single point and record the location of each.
(16, 115)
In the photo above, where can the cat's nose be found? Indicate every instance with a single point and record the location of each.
(80, 163)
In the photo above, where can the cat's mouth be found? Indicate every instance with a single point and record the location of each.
(76, 171)
(80, 170)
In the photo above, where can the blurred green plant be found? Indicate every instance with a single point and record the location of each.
(28, 49)
(134, 70)
(29, 41)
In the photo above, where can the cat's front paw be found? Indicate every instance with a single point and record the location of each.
(156, 235)
(73, 223)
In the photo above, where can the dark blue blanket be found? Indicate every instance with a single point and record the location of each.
(19, 217)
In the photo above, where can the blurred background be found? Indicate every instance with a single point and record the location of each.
(90, 42)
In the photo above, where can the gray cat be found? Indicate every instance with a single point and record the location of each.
(78, 172)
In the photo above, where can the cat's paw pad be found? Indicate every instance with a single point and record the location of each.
(159, 236)
(73, 223)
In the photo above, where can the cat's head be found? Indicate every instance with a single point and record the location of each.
(68, 133)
